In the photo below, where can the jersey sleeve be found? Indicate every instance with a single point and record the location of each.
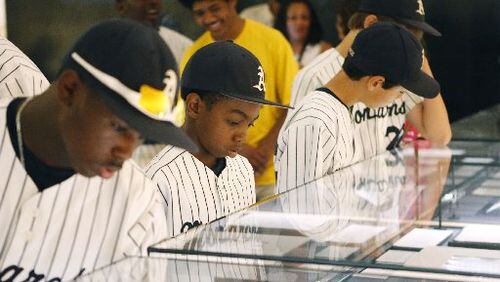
(20, 77)
(149, 221)
(305, 82)
(303, 154)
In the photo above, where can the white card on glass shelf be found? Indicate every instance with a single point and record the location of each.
(421, 238)
(395, 256)
(480, 234)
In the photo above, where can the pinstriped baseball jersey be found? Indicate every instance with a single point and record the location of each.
(376, 129)
(316, 139)
(73, 227)
(193, 194)
(316, 74)
(19, 76)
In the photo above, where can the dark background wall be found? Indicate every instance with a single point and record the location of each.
(466, 60)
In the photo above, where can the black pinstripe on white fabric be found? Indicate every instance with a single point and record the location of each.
(19, 76)
(78, 225)
(316, 139)
(193, 194)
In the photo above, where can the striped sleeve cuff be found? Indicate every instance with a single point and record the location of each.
(411, 100)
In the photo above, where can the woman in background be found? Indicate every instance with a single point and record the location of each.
(300, 25)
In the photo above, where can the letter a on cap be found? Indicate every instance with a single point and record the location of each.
(261, 85)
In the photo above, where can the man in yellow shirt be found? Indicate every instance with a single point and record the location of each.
(221, 22)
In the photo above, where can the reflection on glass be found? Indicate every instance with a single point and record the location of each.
(347, 215)
(399, 211)
(156, 270)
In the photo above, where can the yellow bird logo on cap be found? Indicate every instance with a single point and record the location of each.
(159, 102)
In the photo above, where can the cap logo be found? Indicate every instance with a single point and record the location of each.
(154, 103)
(423, 58)
(262, 84)
(420, 9)
(351, 52)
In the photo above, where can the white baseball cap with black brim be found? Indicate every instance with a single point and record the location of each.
(134, 72)
(227, 69)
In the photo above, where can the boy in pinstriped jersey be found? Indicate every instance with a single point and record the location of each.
(70, 201)
(223, 85)
(319, 134)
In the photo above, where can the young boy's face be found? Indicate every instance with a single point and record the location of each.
(222, 129)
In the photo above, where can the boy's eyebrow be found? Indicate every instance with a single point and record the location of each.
(243, 114)
(240, 112)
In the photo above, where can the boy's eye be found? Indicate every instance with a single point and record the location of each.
(214, 9)
(233, 122)
(118, 128)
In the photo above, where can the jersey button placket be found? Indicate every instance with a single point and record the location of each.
(223, 195)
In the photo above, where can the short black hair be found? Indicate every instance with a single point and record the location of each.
(188, 3)
(209, 98)
(345, 9)
(356, 74)
(357, 19)
(315, 30)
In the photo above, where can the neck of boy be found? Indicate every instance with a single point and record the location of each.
(346, 89)
(346, 44)
(203, 155)
(40, 129)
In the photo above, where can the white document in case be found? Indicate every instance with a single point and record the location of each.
(487, 191)
(442, 257)
(395, 256)
(421, 238)
(480, 234)
(473, 264)
(478, 160)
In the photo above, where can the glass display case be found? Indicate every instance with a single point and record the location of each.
(422, 209)
(160, 269)
(215, 269)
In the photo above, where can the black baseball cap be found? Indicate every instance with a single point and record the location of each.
(228, 69)
(391, 51)
(410, 12)
(135, 73)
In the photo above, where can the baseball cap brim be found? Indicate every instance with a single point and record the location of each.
(425, 27)
(251, 99)
(158, 131)
(422, 85)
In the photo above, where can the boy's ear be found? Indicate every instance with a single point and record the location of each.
(370, 20)
(375, 82)
(68, 87)
(194, 105)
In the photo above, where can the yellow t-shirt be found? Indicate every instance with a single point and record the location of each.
(280, 67)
